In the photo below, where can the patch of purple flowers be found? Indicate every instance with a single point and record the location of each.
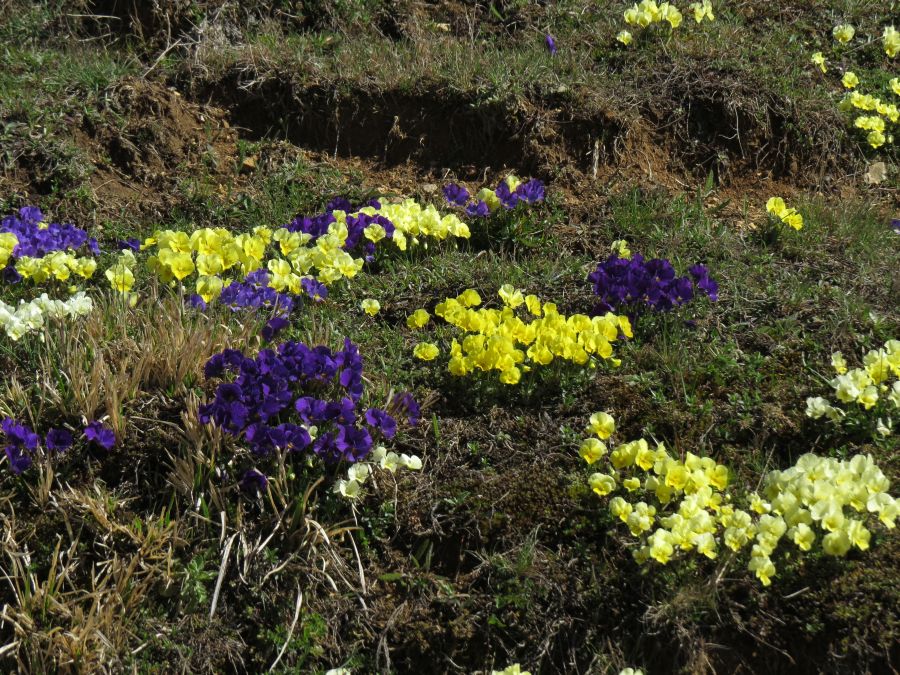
(254, 292)
(36, 241)
(275, 398)
(634, 284)
(22, 444)
(529, 192)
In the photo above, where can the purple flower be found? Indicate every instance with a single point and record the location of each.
(478, 209)
(551, 44)
(273, 327)
(36, 238)
(58, 440)
(381, 421)
(197, 302)
(456, 194)
(19, 460)
(507, 197)
(531, 191)
(131, 243)
(339, 204)
(895, 225)
(406, 403)
(20, 435)
(11, 275)
(315, 290)
(352, 442)
(101, 435)
(253, 481)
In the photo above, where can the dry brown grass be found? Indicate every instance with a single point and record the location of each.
(118, 354)
(65, 614)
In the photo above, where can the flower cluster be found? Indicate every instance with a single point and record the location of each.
(303, 256)
(31, 316)
(380, 459)
(687, 507)
(297, 399)
(254, 292)
(500, 340)
(400, 223)
(23, 445)
(32, 248)
(869, 387)
(878, 126)
(886, 114)
(788, 216)
(509, 193)
(648, 12)
(631, 283)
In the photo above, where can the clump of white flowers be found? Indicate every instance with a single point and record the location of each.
(380, 459)
(31, 316)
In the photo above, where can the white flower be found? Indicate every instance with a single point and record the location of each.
(359, 473)
(412, 463)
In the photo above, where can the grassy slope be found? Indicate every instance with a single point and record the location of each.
(495, 553)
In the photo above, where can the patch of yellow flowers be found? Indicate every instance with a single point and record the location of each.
(524, 334)
(214, 254)
(876, 126)
(648, 12)
(866, 386)
(675, 505)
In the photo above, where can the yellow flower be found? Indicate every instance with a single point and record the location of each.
(602, 483)
(843, 33)
(602, 424)
(624, 37)
(631, 484)
(620, 248)
(209, 287)
(775, 205)
(891, 40)
(895, 85)
(819, 60)
(120, 277)
(418, 319)
(850, 80)
(839, 363)
(180, 264)
(876, 138)
(370, 306)
(764, 568)
(510, 296)
(591, 450)
(703, 10)
(426, 351)
(469, 298)
(533, 304)
(671, 14)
